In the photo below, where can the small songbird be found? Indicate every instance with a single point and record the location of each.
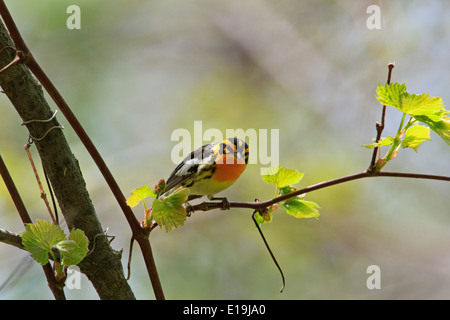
(210, 169)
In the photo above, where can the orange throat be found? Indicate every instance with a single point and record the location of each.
(229, 170)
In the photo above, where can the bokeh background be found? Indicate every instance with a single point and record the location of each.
(138, 70)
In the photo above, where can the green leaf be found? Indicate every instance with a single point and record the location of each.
(265, 218)
(259, 219)
(389, 95)
(414, 137)
(286, 189)
(39, 238)
(74, 249)
(441, 127)
(423, 105)
(178, 197)
(140, 194)
(395, 95)
(383, 142)
(280, 176)
(301, 208)
(168, 215)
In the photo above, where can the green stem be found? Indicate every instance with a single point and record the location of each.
(396, 143)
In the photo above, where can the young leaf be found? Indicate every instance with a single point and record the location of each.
(441, 127)
(259, 219)
(140, 194)
(280, 176)
(383, 142)
(414, 137)
(423, 105)
(395, 95)
(178, 197)
(75, 249)
(168, 215)
(286, 189)
(39, 238)
(265, 218)
(390, 94)
(160, 187)
(301, 208)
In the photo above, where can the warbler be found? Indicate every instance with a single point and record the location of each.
(210, 169)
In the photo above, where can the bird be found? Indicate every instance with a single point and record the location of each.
(210, 169)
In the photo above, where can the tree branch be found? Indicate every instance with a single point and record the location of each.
(261, 206)
(11, 238)
(103, 267)
(138, 233)
(380, 126)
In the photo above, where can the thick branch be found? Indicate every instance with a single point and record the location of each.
(138, 233)
(103, 266)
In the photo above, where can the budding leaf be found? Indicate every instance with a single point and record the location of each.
(266, 217)
(280, 176)
(383, 142)
(140, 194)
(74, 249)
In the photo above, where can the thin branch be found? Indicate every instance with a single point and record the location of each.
(413, 176)
(206, 206)
(11, 238)
(41, 189)
(380, 126)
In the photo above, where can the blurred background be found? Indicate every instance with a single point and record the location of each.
(138, 70)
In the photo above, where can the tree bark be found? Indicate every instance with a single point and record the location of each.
(103, 267)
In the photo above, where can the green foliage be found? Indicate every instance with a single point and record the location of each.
(140, 194)
(301, 208)
(167, 212)
(74, 249)
(441, 127)
(414, 136)
(284, 179)
(419, 108)
(281, 177)
(39, 238)
(395, 95)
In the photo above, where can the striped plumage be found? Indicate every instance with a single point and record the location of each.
(210, 168)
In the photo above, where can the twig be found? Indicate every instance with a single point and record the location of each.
(206, 206)
(380, 126)
(43, 194)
